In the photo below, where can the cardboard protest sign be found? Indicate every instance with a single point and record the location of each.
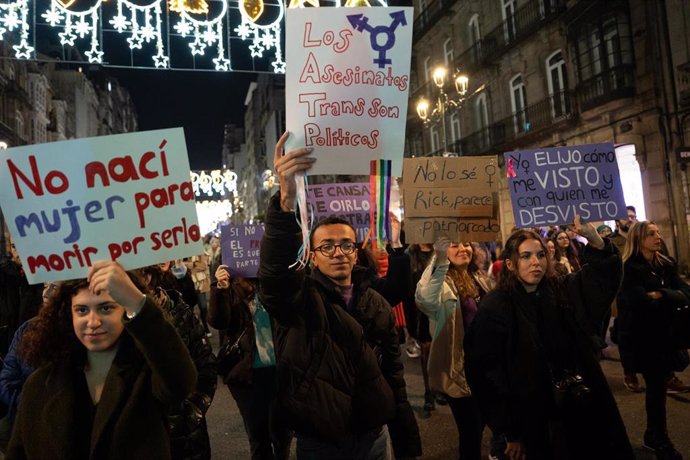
(454, 197)
(549, 186)
(346, 85)
(349, 201)
(126, 197)
(240, 248)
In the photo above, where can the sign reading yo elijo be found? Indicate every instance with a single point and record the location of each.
(549, 186)
(346, 85)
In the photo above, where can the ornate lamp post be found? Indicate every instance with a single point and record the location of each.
(431, 114)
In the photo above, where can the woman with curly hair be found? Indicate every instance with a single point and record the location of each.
(108, 364)
(447, 293)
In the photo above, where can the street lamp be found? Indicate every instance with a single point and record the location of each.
(429, 113)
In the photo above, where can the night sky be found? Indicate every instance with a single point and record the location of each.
(201, 102)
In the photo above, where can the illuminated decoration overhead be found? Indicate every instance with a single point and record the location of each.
(264, 37)
(215, 182)
(220, 35)
(211, 214)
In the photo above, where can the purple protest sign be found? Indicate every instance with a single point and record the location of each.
(549, 186)
(349, 201)
(240, 248)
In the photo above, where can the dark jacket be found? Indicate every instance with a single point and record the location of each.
(229, 311)
(187, 422)
(14, 373)
(331, 381)
(19, 301)
(644, 325)
(520, 343)
(151, 371)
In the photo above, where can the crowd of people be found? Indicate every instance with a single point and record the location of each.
(119, 365)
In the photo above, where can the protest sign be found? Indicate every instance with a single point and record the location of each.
(349, 201)
(126, 197)
(426, 230)
(549, 186)
(240, 248)
(454, 197)
(346, 85)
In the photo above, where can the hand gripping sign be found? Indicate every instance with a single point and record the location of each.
(126, 197)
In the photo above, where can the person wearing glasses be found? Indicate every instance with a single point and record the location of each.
(340, 383)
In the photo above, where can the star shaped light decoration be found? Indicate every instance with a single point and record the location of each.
(67, 37)
(161, 61)
(222, 64)
(256, 49)
(278, 66)
(197, 47)
(263, 37)
(23, 50)
(95, 56)
(135, 41)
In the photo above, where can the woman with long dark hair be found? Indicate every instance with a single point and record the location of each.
(566, 257)
(108, 364)
(530, 355)
(651, 289)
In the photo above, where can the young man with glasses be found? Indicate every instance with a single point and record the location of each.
(339, 375)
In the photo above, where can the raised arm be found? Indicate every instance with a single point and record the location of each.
(280, 287)
(429, 293)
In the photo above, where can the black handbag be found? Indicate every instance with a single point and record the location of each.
(680, 326)
(231, 353)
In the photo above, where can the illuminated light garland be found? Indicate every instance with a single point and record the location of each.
(263, 37)
(144, 27)
(214, 182)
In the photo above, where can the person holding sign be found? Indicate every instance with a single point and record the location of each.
(530, 360)
(339, 376)
(108, 364)
(448, 294)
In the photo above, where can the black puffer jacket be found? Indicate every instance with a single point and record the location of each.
(188, 432)
(331, 382)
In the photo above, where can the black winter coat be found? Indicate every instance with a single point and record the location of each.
(229, 311)
(331, 383)
(187, 422)
(644, 325)
(19, 301)
(520, 342)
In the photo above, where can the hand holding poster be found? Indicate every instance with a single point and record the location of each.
(454, 197)
(346, 85)
(126, 197)
(549, 186)
(240, 246)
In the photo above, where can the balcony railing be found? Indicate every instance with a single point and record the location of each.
(534, 119)
(429, 16)
(526, 20)
(615, 83)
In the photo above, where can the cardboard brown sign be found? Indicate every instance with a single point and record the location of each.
(428, 229)
(448, 201)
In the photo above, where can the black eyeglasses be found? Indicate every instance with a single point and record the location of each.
(328, 249)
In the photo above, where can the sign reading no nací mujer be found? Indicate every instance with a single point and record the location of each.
(126, 197)
(346, 85)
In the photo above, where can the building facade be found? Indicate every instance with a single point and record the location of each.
(549, 73)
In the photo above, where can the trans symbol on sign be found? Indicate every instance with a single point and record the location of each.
(360, 22)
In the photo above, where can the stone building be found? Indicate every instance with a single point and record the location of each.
(548, 73)
(264, 122)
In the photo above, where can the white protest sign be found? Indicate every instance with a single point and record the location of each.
(346, 85)
(126, 197)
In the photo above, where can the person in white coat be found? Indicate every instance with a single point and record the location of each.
(448, 295)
